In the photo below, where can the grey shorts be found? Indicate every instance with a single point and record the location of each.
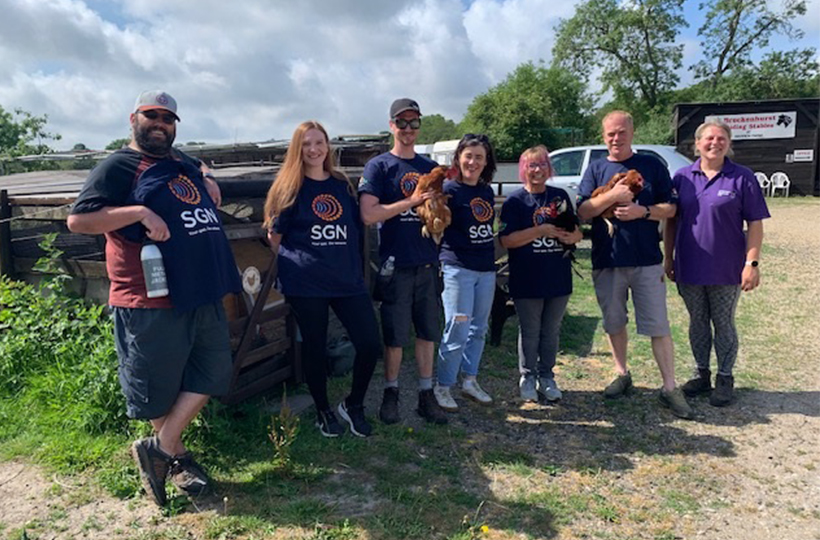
(612, 286)
(411, 295)
(163, 352)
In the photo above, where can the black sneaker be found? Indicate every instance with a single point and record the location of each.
(701, 383)
(354, 416)
(188, 476)
(723, 394)
(328, 425)
(389, 411)
(153, 465)
(429, 409)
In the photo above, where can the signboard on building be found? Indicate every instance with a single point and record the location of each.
(803, 155)
(776, 125)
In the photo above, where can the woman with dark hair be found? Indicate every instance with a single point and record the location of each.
(540, 274)
(468, 265)
(709, 256)
(313, 223)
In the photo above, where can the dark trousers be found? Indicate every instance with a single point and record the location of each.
(357, 316)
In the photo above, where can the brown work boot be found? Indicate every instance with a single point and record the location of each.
(701, 383)
(676, 402)
(153, 465)
(429, 408)
(620, 386)
(723, 394)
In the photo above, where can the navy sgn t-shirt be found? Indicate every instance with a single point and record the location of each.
(320, 255)
(538, 269)
(468, 241)
(391, 179)
(636, 242)
(198, 260)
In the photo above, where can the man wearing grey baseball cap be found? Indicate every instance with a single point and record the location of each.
(174, 350)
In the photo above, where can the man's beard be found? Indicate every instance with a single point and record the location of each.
(150, 145)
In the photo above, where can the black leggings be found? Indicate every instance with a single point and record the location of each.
(357, 315)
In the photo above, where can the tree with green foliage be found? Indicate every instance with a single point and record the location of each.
(533, 105)
(22, 133)
(116, 144)
(733, 29)
(435, 127)
(633, 44)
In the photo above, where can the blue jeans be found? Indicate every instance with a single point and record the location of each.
(467, 299)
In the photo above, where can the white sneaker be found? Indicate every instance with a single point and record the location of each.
(444, 398)
(526, 386)
(549, 389)
(472, 390)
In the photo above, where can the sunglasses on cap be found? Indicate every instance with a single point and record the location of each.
(166, 118)
(401, 123)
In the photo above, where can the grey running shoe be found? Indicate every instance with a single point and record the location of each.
(354, 416)
(153, 465)
(620, 386)
(389, 411)
(549, 389)
(723, 393)
(188, 476)
(328, 425)
(676, 402)
(429, 409)
(526, 386)
(473, 390)
(444, 398)
(701, 383)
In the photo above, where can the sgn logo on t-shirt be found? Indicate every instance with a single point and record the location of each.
(407, 185)
(328, 208)
(200, 219)
(542, 215)
(482, 212)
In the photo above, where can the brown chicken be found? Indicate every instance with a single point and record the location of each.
(635, 182)
(434, 213)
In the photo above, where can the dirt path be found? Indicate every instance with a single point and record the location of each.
(753, 467)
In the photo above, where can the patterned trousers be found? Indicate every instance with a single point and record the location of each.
(712, 305)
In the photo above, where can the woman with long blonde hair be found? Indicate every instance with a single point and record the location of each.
(313, 223)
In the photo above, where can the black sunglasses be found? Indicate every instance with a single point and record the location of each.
(401, 123)
(477, 137)
(167, 118)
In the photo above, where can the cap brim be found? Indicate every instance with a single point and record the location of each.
(155, 107)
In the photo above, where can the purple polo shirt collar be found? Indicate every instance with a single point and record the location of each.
(710, 246)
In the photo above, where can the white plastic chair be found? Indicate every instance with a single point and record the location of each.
(764, 182)
(780, 181)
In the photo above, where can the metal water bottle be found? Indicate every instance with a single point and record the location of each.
(153, 269)
(386, 271)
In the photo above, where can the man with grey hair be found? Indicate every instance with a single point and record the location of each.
(174, 351)
(630, 258)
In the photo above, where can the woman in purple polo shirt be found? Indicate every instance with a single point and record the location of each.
(710, 258)
(468, 265)
(540, 273)
(313, 223)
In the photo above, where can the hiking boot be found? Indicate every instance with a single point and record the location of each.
(153, 465)
(701, 383)
(354, 416)
(472, 390)
(328, 425)
(429, 409)
(444, 398)
(526, 386)
(620, 386)
(549, 389)
(389, 411)
(723, 394)
(676, 402)
(188, 476)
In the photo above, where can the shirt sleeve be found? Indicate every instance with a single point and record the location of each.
(372, 181)
(754, 203)
(108, 184)
(509, 219)
(663, 186)
(281, 223)
(587, 185)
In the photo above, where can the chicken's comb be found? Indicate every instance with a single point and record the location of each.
(452, 172)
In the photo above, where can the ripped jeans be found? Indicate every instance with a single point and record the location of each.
(467, 298)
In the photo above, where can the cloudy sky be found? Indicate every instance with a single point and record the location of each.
(251, 70)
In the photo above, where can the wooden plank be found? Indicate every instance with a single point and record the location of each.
(276, 312)
(259, 385)
(89, 269)
(264, 352)
(54, 199)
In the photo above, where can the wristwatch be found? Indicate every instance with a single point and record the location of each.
(753, 264)
(648, 212)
